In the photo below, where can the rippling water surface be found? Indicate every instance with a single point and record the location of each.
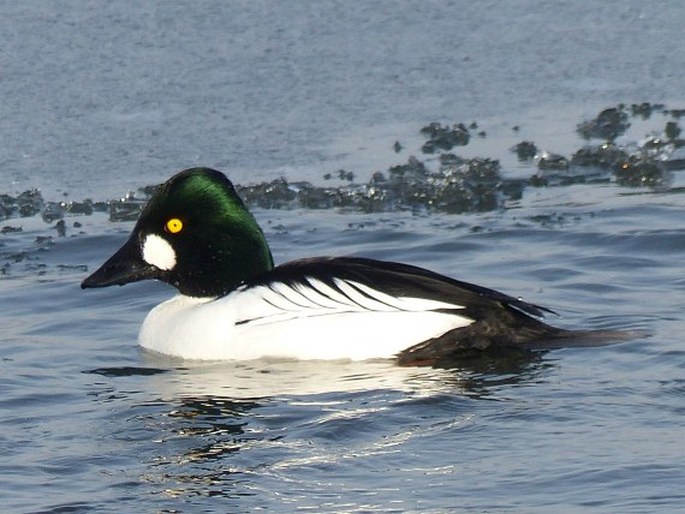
(90, 423)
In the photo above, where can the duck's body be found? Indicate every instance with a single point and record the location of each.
(307, 319)
(197, 235)
(326, 308)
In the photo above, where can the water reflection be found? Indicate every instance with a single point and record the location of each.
(264, 379)
(229, 429)
(482, 371)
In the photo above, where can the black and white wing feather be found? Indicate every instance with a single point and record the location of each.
(427, 315)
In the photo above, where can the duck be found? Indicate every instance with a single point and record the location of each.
(233, 303)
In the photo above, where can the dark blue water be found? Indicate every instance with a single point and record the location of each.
(101, 98)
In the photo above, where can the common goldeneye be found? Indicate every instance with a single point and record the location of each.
(196, 234)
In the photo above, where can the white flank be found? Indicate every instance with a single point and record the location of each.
(158, 252)
(312, 321)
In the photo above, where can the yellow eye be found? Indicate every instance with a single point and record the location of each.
(174, 226)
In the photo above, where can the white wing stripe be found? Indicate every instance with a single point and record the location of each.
(277, 299)
(328, 292)
(363, 301)
(379, 295)
(351, 295)
(313, 291)
(281, 302)
(414, 304)
(296, 298)
(406, 303)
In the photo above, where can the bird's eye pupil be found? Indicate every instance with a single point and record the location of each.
(174, 225)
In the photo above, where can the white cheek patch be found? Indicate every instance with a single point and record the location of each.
(158, 252)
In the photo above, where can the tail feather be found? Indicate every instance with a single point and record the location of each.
(532, 335)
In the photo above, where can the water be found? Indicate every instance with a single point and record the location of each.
(103, 98)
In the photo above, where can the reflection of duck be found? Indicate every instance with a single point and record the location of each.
(472, 373)
(263, 379)
(196, 234)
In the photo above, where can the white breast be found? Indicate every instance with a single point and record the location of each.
(302, 321)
